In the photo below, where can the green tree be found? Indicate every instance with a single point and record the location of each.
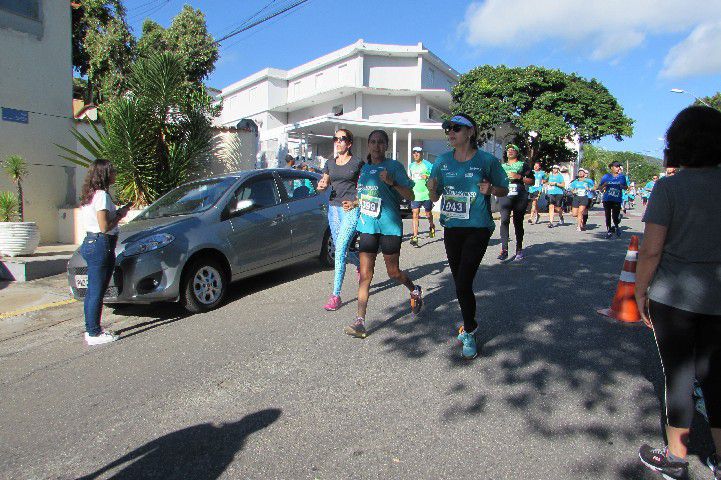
(557, 106)
(157, 136)
(8, 206)
(637, 167)
(103, 47)
(152, 40)
(16, 168)
(714, 101)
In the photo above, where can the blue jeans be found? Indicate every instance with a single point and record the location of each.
(342, 229)
(98, 250)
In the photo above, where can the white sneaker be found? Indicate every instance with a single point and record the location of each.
(104, 337)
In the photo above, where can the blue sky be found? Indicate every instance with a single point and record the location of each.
(639, 49)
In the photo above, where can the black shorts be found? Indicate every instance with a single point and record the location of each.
(534, 195)
(580, 201)
(555, 199)
(372, 242)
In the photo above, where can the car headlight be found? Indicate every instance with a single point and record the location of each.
(148, 244)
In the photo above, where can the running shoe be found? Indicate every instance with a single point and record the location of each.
(560, 220)
(538, 219)
(432, 232)
(550, 225)
(416, 299)
(657, 460)
(519, 256)
(356, 329)
(333, 304)
(530, 220)
(714, 463)
(618, 232)
(609, 234)
(414, 241)
(503, 255)
(469, 350)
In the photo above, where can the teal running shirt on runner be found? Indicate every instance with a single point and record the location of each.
(461, 204)
(646, 192)
(582, 188)
(557, 178)
(379, 202)
(537, 186)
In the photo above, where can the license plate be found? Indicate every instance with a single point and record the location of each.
(81, 281)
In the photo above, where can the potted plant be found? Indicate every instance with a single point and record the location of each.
(16, 238)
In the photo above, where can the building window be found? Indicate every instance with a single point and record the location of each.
(25, 8)
(434, 114)
(338, 110)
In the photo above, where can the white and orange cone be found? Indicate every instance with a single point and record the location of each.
(623, 307)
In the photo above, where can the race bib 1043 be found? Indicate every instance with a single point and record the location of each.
(370, 205)
(456, 206)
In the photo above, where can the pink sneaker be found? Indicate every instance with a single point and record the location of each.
(333, 303)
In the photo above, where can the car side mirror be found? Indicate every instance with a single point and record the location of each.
(242, 206)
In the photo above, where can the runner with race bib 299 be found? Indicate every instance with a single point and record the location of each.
(464, 180)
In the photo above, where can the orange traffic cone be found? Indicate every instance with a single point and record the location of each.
(623, 306)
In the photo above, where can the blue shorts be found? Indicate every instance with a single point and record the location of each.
(426, 204)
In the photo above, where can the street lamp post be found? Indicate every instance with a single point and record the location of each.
(680, 90)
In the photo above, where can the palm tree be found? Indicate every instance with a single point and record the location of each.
(17, 169)
(157, 135)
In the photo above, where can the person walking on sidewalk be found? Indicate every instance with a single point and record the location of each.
(100, 218)
(466, 177)
(556, 189)
(381, 185)
(536, 190)
(420, 171)
(612, 185)
(678, 280)
(341, 173)
(516, 202)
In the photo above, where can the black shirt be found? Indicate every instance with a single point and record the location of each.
(344, 179)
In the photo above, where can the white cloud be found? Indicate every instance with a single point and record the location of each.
(698, 54)
(603, 29)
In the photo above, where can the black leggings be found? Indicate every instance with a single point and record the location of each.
(465, 248)
(688, 344)
(615, 209)
(516, 204)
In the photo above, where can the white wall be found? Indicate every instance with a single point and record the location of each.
(391, 72)
(337, 74)
(433, 77)
(389, 108)
(321, 109)
(36, 76)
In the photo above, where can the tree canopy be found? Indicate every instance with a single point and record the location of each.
(639, 168)
(714, 101)
(558, 107)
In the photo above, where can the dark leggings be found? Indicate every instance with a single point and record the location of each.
(689, 347)
(465, 248)
(615, 209)
(516, 204)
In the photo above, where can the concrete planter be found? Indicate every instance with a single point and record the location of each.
(18, 238)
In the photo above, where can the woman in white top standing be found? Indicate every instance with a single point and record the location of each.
(100, 217)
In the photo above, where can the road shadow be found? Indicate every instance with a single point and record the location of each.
(540, 331)
(200, 452)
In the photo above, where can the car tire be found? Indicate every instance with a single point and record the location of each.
(204, 286)
(327, 251)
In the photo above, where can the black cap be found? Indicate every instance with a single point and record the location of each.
(614, 164)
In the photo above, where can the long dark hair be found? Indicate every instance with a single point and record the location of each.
(692, 139)
(381, 133)
(98, 178)
(349, 135)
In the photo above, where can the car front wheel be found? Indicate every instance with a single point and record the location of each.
(204, 286)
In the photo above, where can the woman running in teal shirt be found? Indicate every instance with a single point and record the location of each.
(466, 177)
(381, 185)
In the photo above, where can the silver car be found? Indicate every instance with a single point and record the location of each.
(196, 239)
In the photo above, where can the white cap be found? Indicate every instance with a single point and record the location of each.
(555, 166)
(417, 149)
(582, 170)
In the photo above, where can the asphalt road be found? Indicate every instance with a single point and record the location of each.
(269, 387)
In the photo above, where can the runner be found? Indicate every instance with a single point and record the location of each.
(612, 185)
(632, 195)
(581, 188)
(381, 185)
(341, 172)
(420, 171)
(515, 203)
(535, 190)
(646, 192)
(466, 177)
(556, 185)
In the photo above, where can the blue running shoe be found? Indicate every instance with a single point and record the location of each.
(469, 350)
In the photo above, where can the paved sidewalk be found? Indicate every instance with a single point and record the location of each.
(21, 296)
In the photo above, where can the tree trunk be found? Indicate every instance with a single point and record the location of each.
(21, 210)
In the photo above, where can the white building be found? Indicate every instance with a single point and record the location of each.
(403, 90)
(36, 79)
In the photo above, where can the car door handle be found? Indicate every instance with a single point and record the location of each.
(323, 207)
(278, 218)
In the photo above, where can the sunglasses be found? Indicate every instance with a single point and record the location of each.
(340, 139)
(455, 127)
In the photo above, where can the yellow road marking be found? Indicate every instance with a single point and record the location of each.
(36, 308)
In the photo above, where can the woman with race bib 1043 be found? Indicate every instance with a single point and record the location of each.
(381, 185)
(465, 178)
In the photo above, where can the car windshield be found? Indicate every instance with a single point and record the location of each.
(190, 198)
